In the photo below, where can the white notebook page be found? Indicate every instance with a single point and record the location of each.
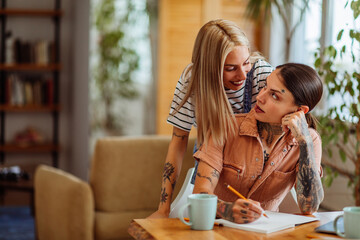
(276, 222)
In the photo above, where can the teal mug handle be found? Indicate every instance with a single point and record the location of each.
(181, 214)
(336, 228)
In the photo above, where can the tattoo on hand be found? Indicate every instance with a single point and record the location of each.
(179, 136)
(224, 210)
(164, 195)
(243, 211)
(168, 171)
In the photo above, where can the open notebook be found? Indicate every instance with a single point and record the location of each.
(276, 222)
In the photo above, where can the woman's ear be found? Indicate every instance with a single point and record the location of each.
(304, 108)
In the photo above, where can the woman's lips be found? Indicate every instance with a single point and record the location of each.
(258, 109)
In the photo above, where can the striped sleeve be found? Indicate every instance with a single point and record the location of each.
(185, 117)
(262, 70)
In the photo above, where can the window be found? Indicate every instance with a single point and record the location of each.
(121, 67)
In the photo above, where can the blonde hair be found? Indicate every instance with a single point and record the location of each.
(213, 112)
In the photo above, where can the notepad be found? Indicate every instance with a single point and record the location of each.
(276, 222)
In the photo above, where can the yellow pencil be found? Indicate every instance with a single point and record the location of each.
(239, 195)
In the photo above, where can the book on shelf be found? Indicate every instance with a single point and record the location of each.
(19, 51)
(24, 90)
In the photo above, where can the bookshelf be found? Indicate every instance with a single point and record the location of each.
(30, 67)
(36, 90)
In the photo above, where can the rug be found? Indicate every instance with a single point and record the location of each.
(16, 223)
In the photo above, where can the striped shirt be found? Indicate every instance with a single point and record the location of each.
(185, 117)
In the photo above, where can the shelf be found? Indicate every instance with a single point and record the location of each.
(30, 67)
(40, 148)
(34, 13)
(22, 185)
(30, 108)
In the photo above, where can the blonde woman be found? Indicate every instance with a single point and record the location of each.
(223, 78)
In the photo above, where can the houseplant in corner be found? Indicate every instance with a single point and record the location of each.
(340, 127)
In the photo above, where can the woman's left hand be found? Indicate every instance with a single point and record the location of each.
(296, 123)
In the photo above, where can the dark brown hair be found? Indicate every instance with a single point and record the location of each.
(305, 85)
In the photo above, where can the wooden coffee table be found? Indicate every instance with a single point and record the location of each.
(172, 228)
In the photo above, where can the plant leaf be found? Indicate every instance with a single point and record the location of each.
(340, 34)
(342, 155)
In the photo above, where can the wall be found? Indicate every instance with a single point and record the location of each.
(78, 109)
(179, 22)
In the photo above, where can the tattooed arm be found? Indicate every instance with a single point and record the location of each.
(172, 168)
(206, 179)
(308, 182)
(240, 211)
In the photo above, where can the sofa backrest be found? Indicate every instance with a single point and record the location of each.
(126, 172)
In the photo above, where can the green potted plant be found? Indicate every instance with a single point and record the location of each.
(113, 65)
(340, 127)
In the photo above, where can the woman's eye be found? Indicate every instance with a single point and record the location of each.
(230, 69)
(274, 96)
(247, 62)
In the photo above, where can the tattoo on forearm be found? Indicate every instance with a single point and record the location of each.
(168, 171)
(309, 187)
(180, 136)
(206, 177)
(204, 192)
(215, 174)
(306, 174)
(224, 210)
(164, 196)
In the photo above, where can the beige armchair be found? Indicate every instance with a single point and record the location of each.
(125, 183)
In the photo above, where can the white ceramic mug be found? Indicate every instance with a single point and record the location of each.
(351, 223)
(202, 211)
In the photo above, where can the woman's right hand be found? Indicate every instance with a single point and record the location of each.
(246, 211)
(240, 211)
